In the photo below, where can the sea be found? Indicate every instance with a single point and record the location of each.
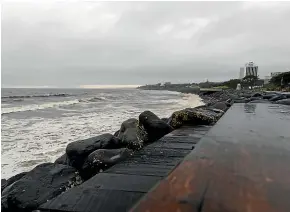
(37, 124)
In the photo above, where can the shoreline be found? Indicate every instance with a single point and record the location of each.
(46, 141)
(86, 158)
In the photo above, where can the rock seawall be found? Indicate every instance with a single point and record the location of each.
(86, 158)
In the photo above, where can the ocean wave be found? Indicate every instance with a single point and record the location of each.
(36, 107)
(93, 99)
(37, 96)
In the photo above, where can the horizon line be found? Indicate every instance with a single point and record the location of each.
(78, 86)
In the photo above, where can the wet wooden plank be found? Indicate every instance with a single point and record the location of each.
(119, 187)
(113, 181)
(173, 145)
(191, 131)
(144, 170)
(241, 165)
(93, 200)
(103, 190)
(153, 160)
(162, 152)
(180, 139)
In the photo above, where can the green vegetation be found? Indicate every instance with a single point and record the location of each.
(249, 81)
(232, 83)
(281, 79)
(280, 82)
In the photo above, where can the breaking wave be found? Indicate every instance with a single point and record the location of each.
(36, 107)
(35, 96)
(93, 99)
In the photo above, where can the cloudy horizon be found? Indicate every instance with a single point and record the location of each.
(72, 44)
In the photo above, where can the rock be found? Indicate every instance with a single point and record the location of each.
(257, 95)
(221, 106)
(131, 140)
(102, 159)
(229, 102)
(151, 128)
(233, 97)
(165, 120)
(128, 134)
(216, 110)
(254, 98)
(277, 97)
(13, 179)
(283, 102)
(240, 101)
(201, 106)
(246, 95)
(129, 123)
(268, 96)
(78, 151)
(260, 101)
(193, 116)
(63, 160)
(41, 184)
(117, 133)
(3, 184)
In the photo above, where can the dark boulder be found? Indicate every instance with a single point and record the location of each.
(165, 120)
(117, 133)
(229, 102)
(3, 184)
(151, 128)
(216, 110)
(129, 123)
(220, 105)
(63, 160)
(283, 102)
(255, 98)
(128, 134)
(257, 95)
(41, 184)
(268, 96)
(246, 95)
(131, 140)
(277, 97)
(201, 106)
(78, 151)
(194, 116)
(240, 101)
(102, 159)
(12, 179)
(260, 101)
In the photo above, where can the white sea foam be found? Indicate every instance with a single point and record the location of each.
(34, 140)
(36, 106)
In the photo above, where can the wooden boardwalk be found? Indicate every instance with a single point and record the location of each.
(241, 165)
(121, 186)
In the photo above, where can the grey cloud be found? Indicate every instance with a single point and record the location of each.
(71, 44)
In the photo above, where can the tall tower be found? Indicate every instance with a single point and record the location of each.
(242, 73)
(251, 69)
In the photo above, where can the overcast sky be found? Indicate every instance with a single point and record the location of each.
(82, 43)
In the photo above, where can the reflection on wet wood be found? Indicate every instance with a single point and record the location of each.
(241, 165)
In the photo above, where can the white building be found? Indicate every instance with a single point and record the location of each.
(250, 68)
(267, 79)
(242, 73)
